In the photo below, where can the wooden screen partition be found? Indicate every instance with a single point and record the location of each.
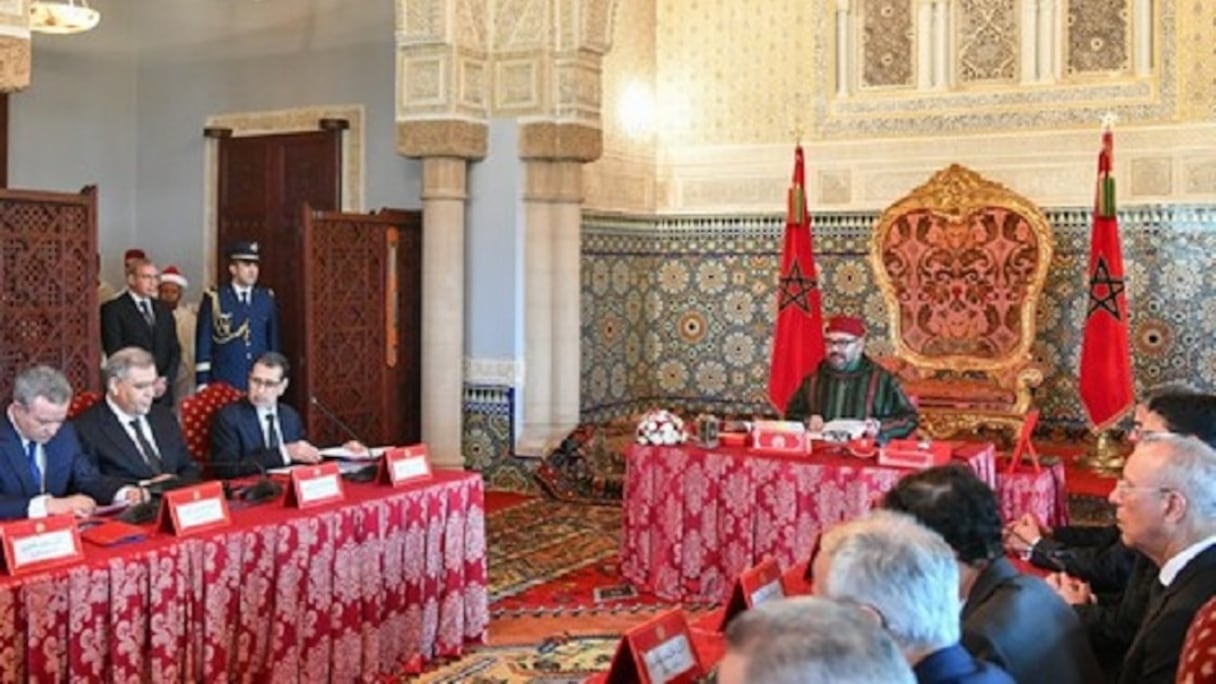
(362, 285)
(48, 285)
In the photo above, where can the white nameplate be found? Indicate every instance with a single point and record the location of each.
(44, 547)
(409, 468)
(197, 513)
(317, 488)
(768, 592)
(669, 659)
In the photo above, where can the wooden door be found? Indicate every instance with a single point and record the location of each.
(363, 313)
(264, 182)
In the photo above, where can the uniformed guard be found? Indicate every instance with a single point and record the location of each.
(237, 322)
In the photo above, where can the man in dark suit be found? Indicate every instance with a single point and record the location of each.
(129, 436)
(259, 431)
(1165, 506)
(237, 322)
(137, 318)
(906, 575)
(1013, 620)
(43, 470)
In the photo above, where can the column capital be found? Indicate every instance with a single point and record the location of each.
(560, 141)
(442, 138)
(14, 63)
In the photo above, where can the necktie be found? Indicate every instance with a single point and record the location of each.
(145, 308)
(145, 446)
(31, 454)
(244, 297)
(272, 432)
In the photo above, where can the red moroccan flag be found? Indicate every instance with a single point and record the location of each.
(1106, 365)
(798, 338)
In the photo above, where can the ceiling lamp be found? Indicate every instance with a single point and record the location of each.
(62, 16)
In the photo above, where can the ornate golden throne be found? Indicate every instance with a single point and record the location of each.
(961, 262)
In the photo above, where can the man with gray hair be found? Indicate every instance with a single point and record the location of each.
(1165, 506)
(130, 437)
(907, 576)
(809, 639)
(45, 470)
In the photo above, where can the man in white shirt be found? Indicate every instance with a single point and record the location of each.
(1165, 506)
(130, 437)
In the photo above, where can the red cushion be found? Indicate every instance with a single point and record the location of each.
(1198, 661)
(197, 411)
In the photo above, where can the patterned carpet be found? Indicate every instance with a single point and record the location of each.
(539, 540)
(566, 660)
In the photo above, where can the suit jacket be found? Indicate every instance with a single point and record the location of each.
(69, 470)
(116, 454)
(237, 443)
(122, 325)
(1019, 623)
(954, 665)
(1154, 654)
(230, 335)
(1112, 623)
(1093, 554)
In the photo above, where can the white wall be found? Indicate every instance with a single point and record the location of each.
(124, 105)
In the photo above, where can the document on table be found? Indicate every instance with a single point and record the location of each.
(345, 454)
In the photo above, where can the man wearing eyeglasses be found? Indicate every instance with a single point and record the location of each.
(849, 385)
(1165, 506)
(259, 430)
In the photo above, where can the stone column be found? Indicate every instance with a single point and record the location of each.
(554, 155)
(445, 148)
(844, 49)
(1142, 27)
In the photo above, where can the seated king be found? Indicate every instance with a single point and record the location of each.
(850, 385)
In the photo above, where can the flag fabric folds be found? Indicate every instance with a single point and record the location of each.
(798, 336)
(1106, 368)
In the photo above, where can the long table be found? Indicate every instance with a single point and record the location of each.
(695, 518)
(355, 591)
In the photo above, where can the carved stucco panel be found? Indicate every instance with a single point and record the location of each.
(1200, 175)
(421, 21)
(987, 40)
(887, 43)
(423, 81)
(835, 187)
(1098, 36)
(1152, 176)
(520, 25)
(517, 84)
(472, 26)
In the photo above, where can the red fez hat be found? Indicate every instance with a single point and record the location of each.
(172, 275)
(849, 325)
(134, 253)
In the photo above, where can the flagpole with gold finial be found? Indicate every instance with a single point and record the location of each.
(1110, 450)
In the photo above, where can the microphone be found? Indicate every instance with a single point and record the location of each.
(366, 473)
(333, 418)
(263, 489)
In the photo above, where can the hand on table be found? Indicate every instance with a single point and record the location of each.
(303, 452)
(78, 505)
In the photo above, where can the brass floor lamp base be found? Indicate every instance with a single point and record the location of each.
(1107, 455)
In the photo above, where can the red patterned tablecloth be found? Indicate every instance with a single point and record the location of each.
(1043, 494)
(695, 518)
(348, 592)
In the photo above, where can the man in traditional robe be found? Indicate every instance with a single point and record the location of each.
(172, 285)
(849, 385)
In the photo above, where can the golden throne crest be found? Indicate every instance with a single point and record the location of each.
(961, 262)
